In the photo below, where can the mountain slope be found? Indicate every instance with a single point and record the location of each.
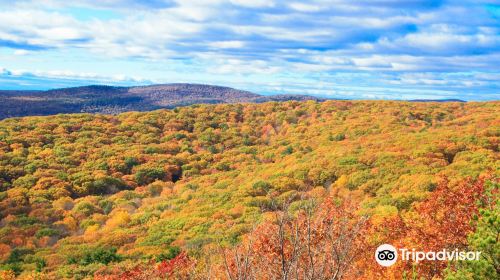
(113, 100)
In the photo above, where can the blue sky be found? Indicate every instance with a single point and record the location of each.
(366, 49)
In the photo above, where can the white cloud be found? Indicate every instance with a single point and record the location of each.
(241, 67)
(69, 74)
(254, 37)
(22, 52)
(254, 3)
(302, 7)
(445, 41)
(227, 44)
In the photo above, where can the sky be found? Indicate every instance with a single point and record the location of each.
(366, 49)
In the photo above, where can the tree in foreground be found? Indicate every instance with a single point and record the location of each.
(321, 244)
(485, 239)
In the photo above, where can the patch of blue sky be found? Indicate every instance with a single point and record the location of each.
(494, 10)
(86, 14)
(21, 45)
(28, 81)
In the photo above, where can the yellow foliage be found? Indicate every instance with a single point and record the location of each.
(342, 181)
(237, 211)
(7, 275)
(91, 233)
(383, 211)
(69, 222)
(119, 219)
(63, 203)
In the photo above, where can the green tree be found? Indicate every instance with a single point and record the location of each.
(485, 240)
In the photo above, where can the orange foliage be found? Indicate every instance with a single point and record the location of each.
(321, 245)
(180, 267)
(442, 221)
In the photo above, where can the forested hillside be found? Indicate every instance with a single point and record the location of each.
(280, 190)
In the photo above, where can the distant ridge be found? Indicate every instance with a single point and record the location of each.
(113, 100)
(437, 100)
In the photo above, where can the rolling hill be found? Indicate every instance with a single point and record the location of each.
(113, 100)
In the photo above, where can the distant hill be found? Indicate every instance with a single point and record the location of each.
(113, 100)
(437, 100)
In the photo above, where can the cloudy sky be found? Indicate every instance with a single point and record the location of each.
(366, 49)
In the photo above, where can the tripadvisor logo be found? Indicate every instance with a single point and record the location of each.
(387, 255)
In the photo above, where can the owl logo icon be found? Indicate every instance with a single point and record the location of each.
(386, 255)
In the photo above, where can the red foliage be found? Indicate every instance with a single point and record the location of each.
(180, 267)
(322, 245)
(442, 221)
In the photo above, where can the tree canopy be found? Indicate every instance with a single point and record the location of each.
(84, 195)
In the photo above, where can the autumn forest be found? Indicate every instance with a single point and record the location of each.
(278, 190)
